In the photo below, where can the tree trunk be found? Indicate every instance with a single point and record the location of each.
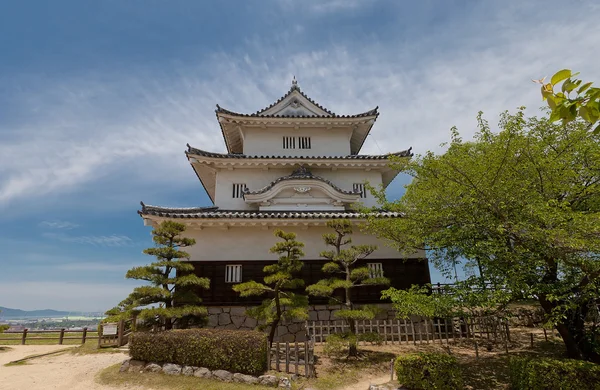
(275, 322)
(352, 347)
(573, 350)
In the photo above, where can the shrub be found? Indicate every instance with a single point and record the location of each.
(338, 345)
(371, 337)
(545, 373)
(216, 349)
(429, 371)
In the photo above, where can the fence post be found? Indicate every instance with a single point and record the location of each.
(120, 331)
(84, 335)
(531, 339)
(24, 336)
(287, 357)
(392, 369)
(296, 358)
(62, 336)
(306, 353)
(268, 355)
(277, 356)
(99, 331)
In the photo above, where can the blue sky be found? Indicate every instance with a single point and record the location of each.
(99, 98)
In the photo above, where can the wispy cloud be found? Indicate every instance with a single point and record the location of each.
(135, 125)
(110, 241)
(58, 224)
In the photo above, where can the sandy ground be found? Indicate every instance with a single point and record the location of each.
(62, 371)
(364, 384)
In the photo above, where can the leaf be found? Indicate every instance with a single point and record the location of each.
(555, 115)
(583, 112)
(597, 129)
(560, 76)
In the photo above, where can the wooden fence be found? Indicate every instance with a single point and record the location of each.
(115, 334)
(60, 338)
(421, 331)
(292, 358)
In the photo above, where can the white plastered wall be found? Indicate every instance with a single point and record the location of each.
(324, 142)
(253, 243)
(257, 178)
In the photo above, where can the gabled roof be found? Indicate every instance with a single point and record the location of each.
(292, 109)
(200, 152)
(295, 104)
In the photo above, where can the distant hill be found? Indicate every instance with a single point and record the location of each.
(6, 312)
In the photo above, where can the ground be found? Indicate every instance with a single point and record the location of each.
(86, 368)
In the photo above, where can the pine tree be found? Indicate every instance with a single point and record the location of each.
(343, 263)
(282, 303)
(171, 296)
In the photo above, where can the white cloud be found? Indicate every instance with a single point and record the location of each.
(110, 241)
(94, 266)
(58, 224)
(135, 125)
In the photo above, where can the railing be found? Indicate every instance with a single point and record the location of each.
(115, 334)
(292, 358)
(60, 335)
(424, 330)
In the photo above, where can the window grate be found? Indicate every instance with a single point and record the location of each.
(233, 273)
(375, 270)
(303, 142)
(360, 187)
(238, 190)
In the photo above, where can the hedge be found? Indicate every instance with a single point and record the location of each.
(216, 349)
(429, 371)
(545, 373)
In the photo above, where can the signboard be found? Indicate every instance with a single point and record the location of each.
(109, 329)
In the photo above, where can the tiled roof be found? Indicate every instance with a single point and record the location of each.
(199, 152)
(301, 173)
(221, 110)
(296, 88)
(213, 212)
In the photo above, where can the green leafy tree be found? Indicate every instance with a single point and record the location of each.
(524, 204)
(282, 303)
(170, 297)
(347, 275)
(574, 100)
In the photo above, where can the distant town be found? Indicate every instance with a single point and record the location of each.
(49, 319)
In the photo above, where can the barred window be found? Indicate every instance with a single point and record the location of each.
(360, 188)
(238, 190)
(304, 142)
(289, 142)
(233, 273)
(375, 270)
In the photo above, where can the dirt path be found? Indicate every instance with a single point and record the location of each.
(61, 371)
(364, 384)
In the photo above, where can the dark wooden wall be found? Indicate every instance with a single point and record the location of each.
(402, 274)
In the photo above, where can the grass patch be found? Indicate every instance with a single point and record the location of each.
(16, 363)
(148, 380)
(34, 338)
(4, 349)
(92, 348)
(25, 360)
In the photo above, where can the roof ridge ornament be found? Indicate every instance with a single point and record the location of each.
(295, 83)
(302, 170)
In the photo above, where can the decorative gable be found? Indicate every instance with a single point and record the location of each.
(301, 191)
(295, 104)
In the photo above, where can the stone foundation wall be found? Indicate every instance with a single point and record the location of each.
(234, 317)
